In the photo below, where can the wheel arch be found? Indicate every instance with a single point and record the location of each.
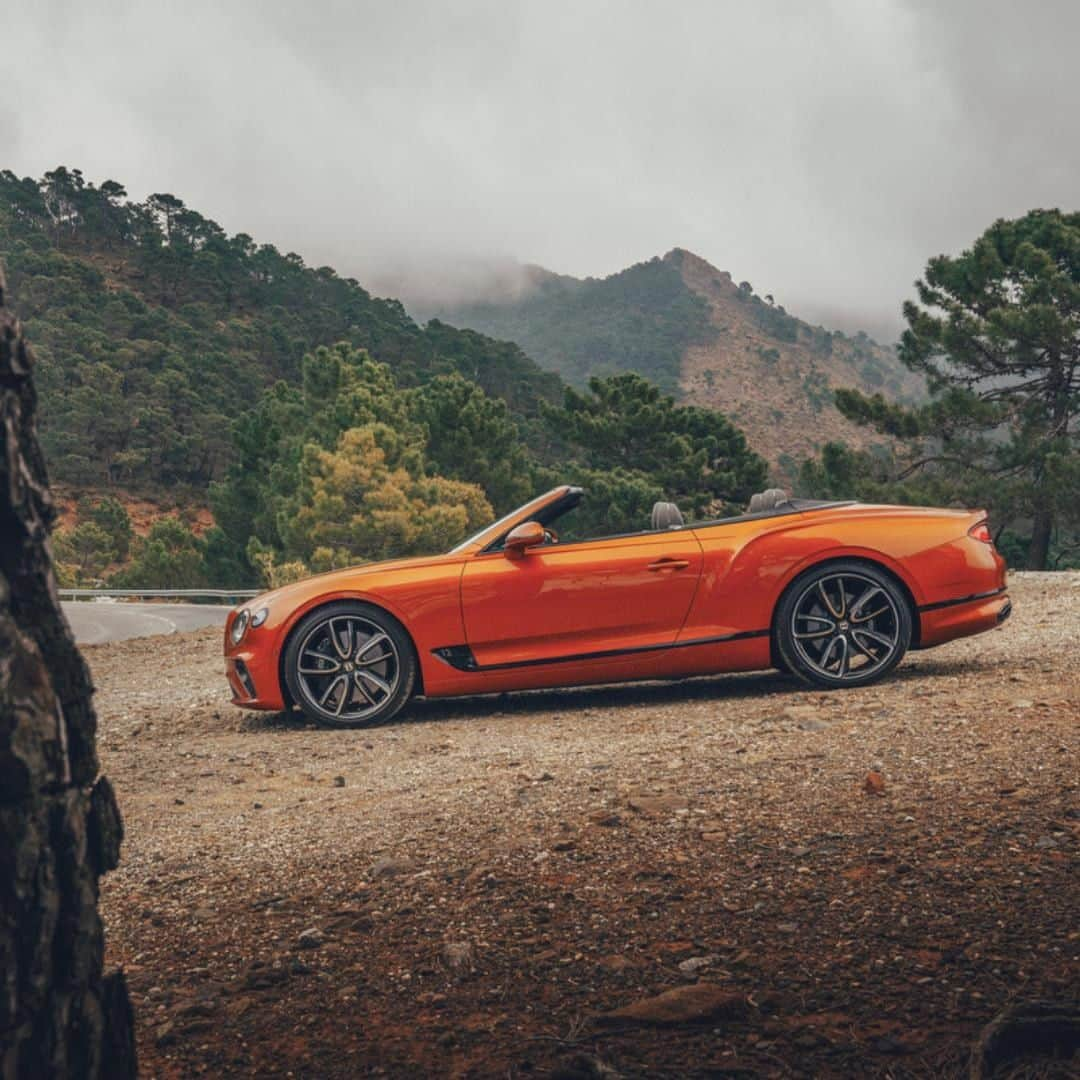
(877, 564)
(339, 601)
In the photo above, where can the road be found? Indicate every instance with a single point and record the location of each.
(97, 623)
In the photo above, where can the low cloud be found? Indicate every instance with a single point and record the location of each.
(823, 152)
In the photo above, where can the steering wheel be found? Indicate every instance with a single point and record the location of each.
(551, 536)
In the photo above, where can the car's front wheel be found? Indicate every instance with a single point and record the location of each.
(349, 664)
(843, 624)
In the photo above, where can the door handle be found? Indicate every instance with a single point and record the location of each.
(669, 564)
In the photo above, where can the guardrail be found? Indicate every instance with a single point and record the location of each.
(182, 594)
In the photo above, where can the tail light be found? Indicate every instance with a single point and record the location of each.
(981, 531)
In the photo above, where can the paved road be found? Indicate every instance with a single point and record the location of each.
(95, 623)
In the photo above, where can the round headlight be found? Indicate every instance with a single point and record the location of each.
(239, 626)
(260, 616)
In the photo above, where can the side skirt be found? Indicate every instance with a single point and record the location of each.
(461, 656)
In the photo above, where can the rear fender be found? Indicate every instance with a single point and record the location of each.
(740, 588)
(870, 555)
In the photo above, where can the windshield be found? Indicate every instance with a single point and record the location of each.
(504, 520)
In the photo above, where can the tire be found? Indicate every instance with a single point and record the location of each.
(842, 624)
(779, 662)
(350, 665)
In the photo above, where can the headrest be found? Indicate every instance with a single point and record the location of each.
(764, 501)
(666, 515)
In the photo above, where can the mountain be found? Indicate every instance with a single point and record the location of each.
(687, 326)
(154, 330)
(642, 319)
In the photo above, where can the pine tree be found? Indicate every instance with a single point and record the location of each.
(997, 334)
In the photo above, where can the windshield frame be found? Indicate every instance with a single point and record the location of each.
(490, 533)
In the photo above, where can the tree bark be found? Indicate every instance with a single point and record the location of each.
(60, 828)
(1039, 548)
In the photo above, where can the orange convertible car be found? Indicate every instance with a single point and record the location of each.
(835, 593)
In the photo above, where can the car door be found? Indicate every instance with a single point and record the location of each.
(568, 601)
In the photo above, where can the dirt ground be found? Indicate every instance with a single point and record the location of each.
(474, 889)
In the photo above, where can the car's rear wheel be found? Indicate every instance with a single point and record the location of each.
(843, 624)
(349, 664)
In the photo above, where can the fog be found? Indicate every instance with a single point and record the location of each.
(823, 151)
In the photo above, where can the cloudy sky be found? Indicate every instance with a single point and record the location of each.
(822, 150)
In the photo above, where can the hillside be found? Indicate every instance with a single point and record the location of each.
(688, 327)
(641, 319)
(154, 330)
(775, 374)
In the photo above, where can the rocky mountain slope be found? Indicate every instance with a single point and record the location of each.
(775, 374)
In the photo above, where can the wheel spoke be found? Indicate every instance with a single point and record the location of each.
(375, 660)
(828, 603)
(872, 616)
(826, 656)
(330, 689)
(346, 694)
(363, 689)
(374, 679)
(344, 651)
(869, 654)
(857, 606)
(375, 639)
(873, 635)
(816, 634)
(842, 668)
(332, 668)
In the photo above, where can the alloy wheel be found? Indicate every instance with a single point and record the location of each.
(348, 667)
(846, 626)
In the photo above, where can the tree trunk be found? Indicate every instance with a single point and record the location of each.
(1039, 548)
(60, 829)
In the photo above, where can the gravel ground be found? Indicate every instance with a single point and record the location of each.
(840, 884)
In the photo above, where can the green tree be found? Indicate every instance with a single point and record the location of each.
(224, 564)
(370, 498)
(112, 517)
(472, 437)
(169, 557)
(997, 334)
(340, 388)
(87, 549)
(697, 457)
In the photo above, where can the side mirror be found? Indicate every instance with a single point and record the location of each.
(527, 535)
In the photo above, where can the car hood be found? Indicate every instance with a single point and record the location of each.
(351, 577)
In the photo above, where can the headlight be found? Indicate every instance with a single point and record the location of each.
(260, 616)
(239, 626)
